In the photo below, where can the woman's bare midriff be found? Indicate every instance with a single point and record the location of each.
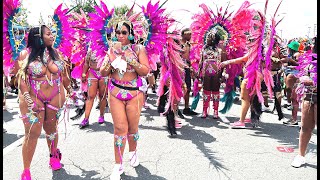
(128, 76)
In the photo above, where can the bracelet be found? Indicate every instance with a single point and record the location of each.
(27, 97)
(107, 66)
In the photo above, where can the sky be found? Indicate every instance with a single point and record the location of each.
(300, 17)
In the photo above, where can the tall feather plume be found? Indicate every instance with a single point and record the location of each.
(236, 26)
(267, 69)
(80, 24)
(13, 41)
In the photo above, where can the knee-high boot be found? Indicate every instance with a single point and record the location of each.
(206, 103)
(171, 123)
(215, 104)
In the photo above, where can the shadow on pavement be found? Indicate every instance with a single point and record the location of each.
(143, 173)
(280, 132)
(62, 174)
(207, 122)
(9, 139)
(96, 127)
(8, 116)
(311, 165)
(199, 137)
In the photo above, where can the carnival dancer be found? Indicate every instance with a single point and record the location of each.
(290, 81)
(258, 68)
(307, 93)
(126, 100)
(42, 81)
(277, 56)
(170, 89)
(230, 30)
(126, 61)
(210, 72)
(185, 54)
(97, 83)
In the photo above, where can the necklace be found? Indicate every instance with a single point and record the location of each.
(125, 47)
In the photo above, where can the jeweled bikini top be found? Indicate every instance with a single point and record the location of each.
(38, 69)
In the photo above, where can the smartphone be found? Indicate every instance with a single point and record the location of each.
(117, 45)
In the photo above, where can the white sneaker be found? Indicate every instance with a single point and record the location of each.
(264, 108)
(134, 161)
(116, 172)
(298, 161)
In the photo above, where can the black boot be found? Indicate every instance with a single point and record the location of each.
(171, 123)
(255, 111)
(163, 100)
(180, 114)
(80, 112)
(278, 108)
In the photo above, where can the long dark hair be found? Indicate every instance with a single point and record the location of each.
(214, 40)
(38, 48)
(130, 30)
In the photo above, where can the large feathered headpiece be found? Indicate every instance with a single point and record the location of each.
(14, 33)
(232, 29)
(62, 31)
(79, 51)
(258, 66)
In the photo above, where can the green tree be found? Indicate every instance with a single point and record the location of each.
(86, 5)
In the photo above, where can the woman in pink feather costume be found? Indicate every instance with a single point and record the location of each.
(97, 83)
(307, 93)
(125, 62)
(210, 72)
(42, 81)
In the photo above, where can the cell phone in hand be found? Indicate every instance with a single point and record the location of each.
(117, 46)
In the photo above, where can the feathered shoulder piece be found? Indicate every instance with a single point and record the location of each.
(172, 68)
(100, 29)
(156, 23)
(308, 66)
(14, 33)
(62, 31)
(307, 71)
(258, 66)
(79, 51)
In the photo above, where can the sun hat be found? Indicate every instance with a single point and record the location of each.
(294, 45)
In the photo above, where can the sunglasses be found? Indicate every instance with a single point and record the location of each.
(122, 32)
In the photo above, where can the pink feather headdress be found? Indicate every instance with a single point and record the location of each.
(235, 27)
(79, 51)
(63, 33)
(13, 41)
(256, 71)
(100, 29)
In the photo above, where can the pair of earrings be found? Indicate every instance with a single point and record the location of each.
(130, 37)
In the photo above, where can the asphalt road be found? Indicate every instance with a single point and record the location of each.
(204, 148)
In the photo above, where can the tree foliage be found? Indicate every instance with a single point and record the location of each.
(86, 5)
